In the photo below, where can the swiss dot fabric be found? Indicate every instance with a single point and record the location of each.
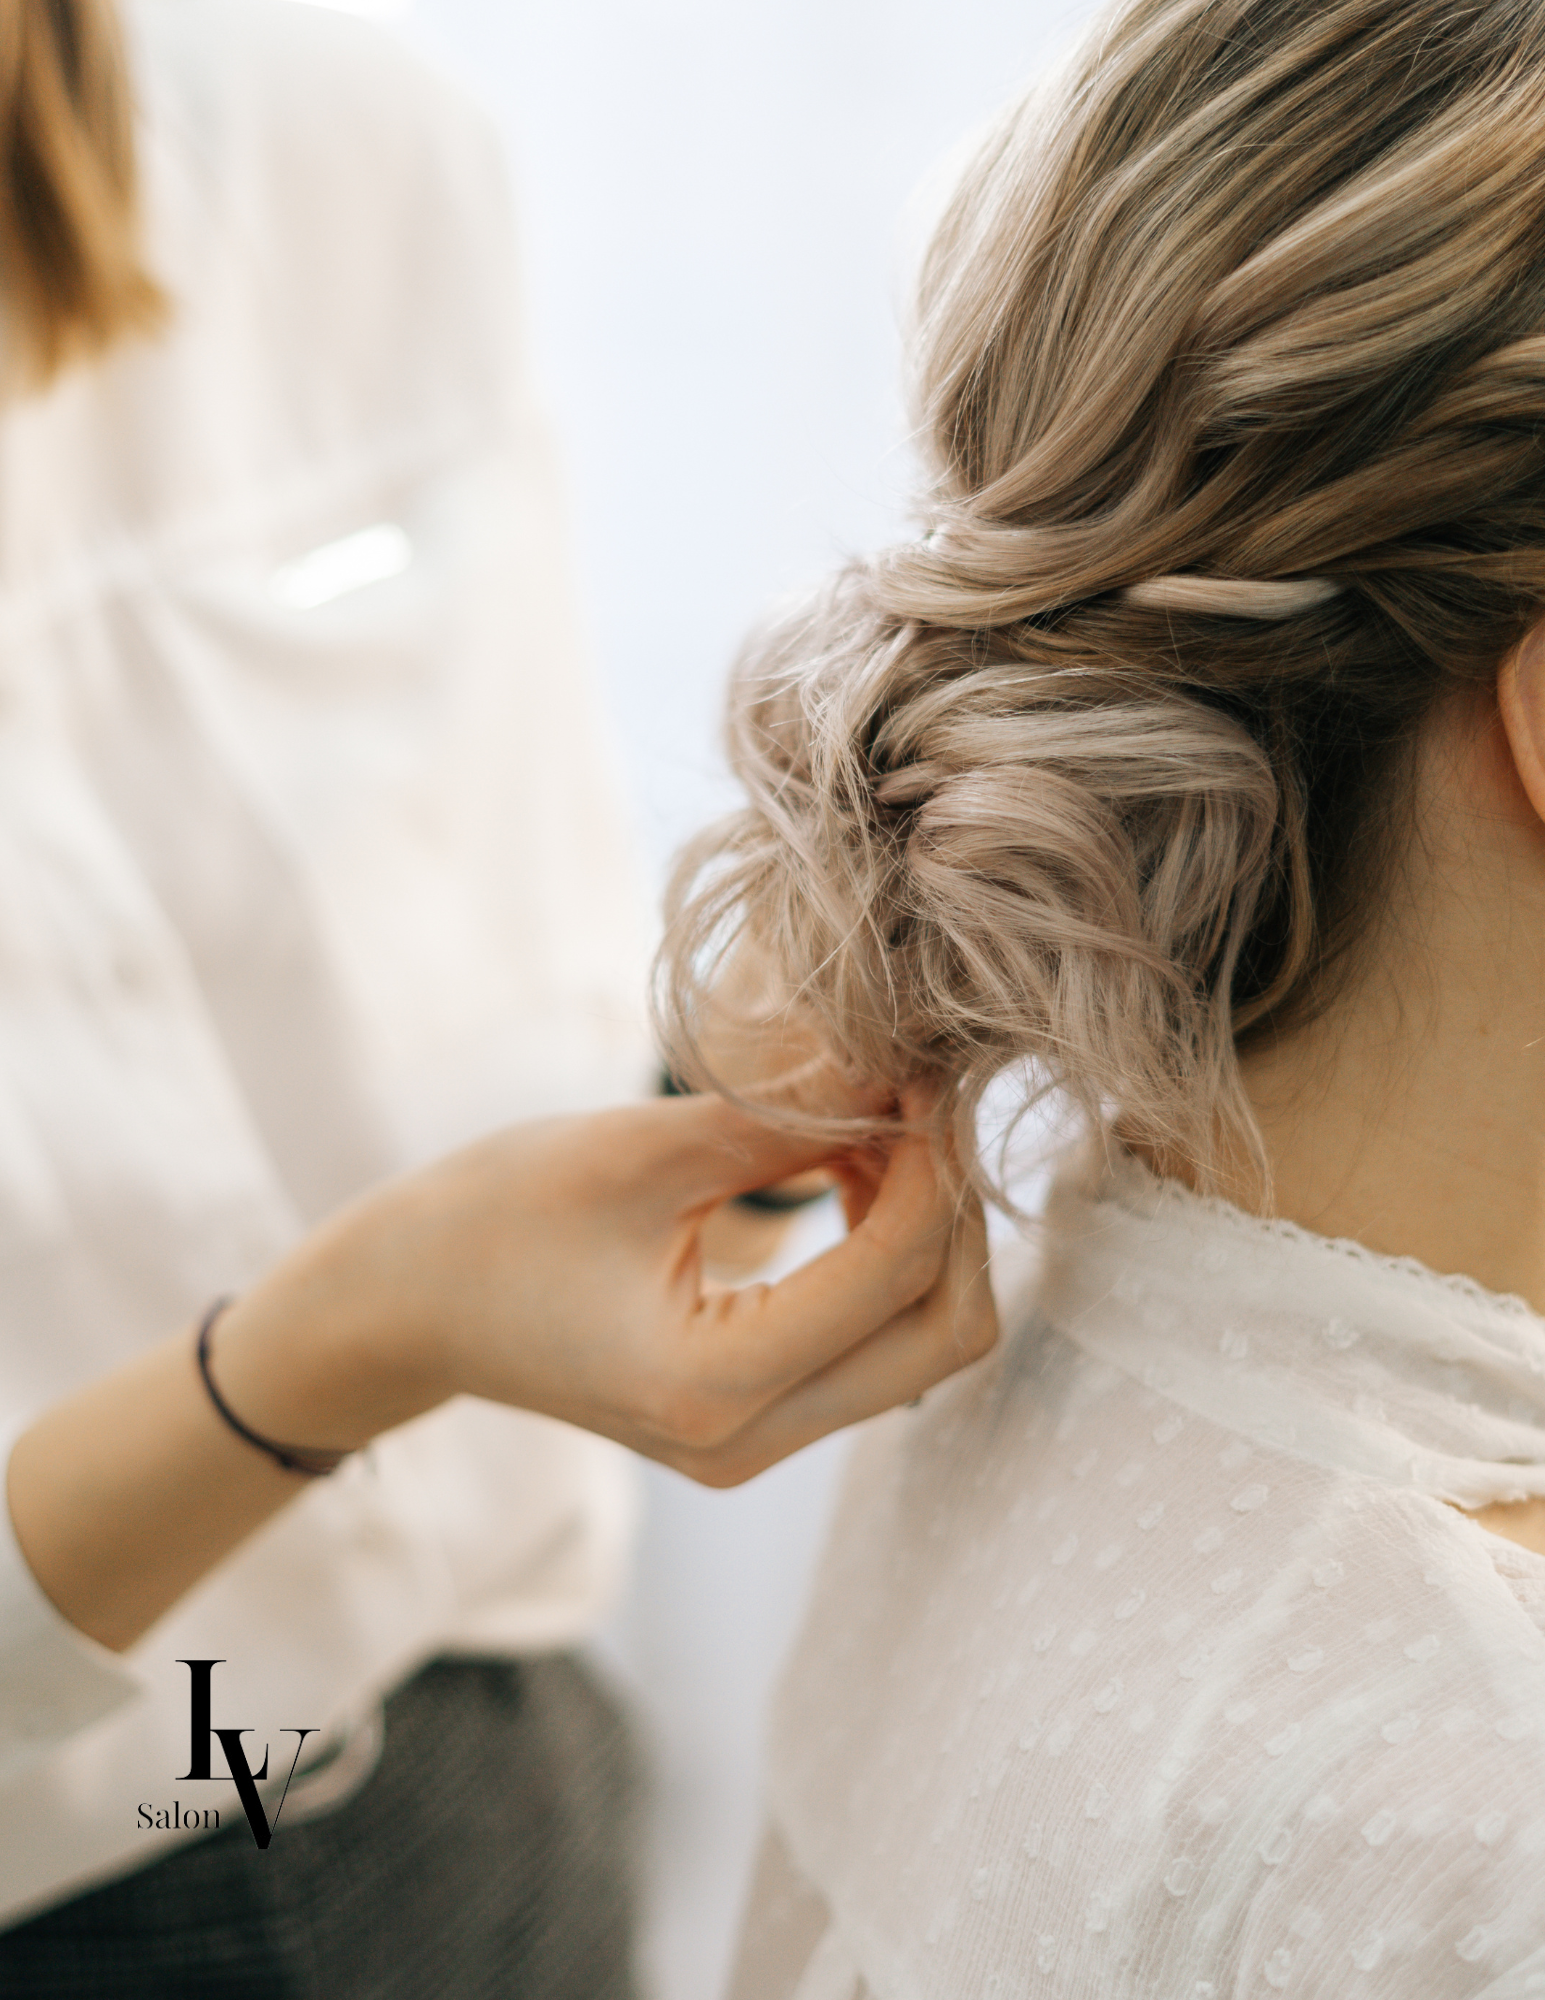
(1148, 1661)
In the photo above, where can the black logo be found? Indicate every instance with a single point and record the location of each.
(244, 1777)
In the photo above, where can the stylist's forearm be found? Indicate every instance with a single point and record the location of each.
(126, 1494)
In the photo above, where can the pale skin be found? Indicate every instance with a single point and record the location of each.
(555, 1267)
(1411, 1117)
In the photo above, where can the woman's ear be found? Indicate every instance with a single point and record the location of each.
(1521, 700)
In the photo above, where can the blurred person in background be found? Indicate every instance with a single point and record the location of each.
(309, 866)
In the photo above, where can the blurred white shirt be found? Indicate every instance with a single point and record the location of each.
(1148, 1661)
(310, 862)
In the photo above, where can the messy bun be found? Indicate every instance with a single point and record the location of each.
(1231, 369)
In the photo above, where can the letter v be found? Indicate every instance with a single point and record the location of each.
(301, 1735)
(245, 1778)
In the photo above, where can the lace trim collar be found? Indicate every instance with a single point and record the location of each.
(1128, 1184)
(1307, 1344)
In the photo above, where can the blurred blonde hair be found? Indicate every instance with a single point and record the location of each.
(69, 226)
(1231, 381)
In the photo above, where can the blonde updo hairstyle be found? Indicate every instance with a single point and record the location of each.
(1231, 381)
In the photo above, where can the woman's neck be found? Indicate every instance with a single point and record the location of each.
(1411, 1117)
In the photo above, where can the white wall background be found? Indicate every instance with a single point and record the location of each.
(712, 198)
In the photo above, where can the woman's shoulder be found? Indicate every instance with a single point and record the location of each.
(332, 95)
(330, 217)
(1126, 1671)
(313, 50)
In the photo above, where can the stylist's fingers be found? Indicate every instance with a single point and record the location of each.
(706, 1150)
(773, 1336)
(858, 1174)
(953, 1324)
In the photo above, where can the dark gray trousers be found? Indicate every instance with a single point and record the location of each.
(488, 1857)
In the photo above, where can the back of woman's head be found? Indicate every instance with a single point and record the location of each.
(1231, 380)
(70, 273)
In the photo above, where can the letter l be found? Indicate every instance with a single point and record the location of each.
(200, 1673)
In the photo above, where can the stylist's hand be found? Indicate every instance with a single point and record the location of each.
(558, 1267)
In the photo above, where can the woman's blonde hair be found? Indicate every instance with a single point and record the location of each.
(1231, 378)
(69, 229)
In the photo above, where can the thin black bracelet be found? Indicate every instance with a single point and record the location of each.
(293, 1457)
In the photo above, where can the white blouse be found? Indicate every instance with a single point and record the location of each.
(310, 860)
(1148, 1662)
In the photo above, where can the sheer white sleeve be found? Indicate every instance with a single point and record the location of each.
(54, 1681)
